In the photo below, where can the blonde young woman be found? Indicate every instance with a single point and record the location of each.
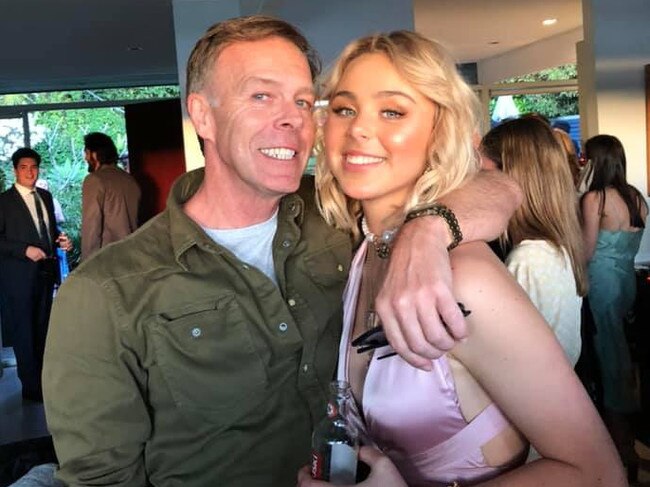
(547, 252)
(399, 135)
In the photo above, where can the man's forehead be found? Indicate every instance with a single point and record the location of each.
(253, 81)
(271, 53)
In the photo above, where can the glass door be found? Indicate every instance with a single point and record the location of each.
(12, 137)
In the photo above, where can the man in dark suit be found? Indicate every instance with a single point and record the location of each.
(28, 267)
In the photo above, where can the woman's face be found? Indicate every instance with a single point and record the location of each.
(377, 132)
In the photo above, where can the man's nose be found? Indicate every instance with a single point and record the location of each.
(291, 116)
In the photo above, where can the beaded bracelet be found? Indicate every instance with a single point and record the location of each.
(446, 214)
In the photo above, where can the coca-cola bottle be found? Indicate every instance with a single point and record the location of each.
(335, 442)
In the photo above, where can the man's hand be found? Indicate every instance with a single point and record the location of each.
(34, 253)
(383, 472)
(64, 242)
(416, 305)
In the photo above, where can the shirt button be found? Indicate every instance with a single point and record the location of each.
(305, 368)
(292, 302)
(286, 244)
(283, 327)
(339, 267)
(196, 332)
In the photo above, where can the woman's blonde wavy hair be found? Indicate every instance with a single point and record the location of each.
(529, 152)
(451, 157)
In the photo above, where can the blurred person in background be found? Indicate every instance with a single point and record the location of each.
(29, 268)
(110, 197)
(614, 215)
(544, 233)
(571, 155)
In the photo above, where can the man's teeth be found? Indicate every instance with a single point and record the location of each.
(363, 159)
(279, 153)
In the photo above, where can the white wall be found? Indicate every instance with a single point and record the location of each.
(191, 20)
(617, 46)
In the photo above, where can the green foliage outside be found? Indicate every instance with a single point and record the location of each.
(549, 104)
(58, 136)
(170, 91)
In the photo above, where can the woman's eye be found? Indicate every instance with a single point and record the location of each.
(343, 111)
(392, 114)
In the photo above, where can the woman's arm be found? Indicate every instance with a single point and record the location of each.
(515, 357)
(416, 304)
(590, 221)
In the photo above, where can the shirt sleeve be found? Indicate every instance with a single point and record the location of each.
(546, 278)
(92, 216)
(9, 247)
(93, 387)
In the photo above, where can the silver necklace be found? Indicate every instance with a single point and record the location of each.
(383, 243)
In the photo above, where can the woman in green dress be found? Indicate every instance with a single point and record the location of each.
(614, 215)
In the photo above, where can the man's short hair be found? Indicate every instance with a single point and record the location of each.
(103, 145)
(242, 29)
(25, 152)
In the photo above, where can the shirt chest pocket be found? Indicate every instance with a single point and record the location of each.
(206, 355)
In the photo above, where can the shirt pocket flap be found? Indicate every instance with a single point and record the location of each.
(206, 355)
(330, 265)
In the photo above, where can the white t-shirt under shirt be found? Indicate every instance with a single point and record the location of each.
(253, 245)
(547, 276)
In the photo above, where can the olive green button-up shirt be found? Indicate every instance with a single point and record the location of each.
(170, 362)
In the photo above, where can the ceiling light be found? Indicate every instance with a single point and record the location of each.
(548, 22)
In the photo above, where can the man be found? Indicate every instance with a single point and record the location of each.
(198, 351)
(28, 267)
(110, 197)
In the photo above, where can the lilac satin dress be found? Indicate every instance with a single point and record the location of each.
(414, 416)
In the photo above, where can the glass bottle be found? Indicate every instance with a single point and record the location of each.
(335, 442)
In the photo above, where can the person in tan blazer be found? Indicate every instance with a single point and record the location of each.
(110, 197)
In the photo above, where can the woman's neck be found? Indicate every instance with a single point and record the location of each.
(381, 218)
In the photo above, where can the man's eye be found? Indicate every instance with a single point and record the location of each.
(392, 114)
(261, 96)
(306, 104)
(343, 111)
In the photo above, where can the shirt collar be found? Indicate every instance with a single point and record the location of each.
(24, 190)
(186, 233)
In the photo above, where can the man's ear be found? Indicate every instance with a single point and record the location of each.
(201, 115)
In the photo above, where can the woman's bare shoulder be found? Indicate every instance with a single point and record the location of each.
(481, 281)
(475, 261)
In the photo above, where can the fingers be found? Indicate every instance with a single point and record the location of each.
(416, 354)
(370, 455)
(453, 317)
(415, 330)
(304, 477)
(383, 472)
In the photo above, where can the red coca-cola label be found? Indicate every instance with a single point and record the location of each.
(316, 465)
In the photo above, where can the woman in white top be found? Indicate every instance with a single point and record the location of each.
(547, 258)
